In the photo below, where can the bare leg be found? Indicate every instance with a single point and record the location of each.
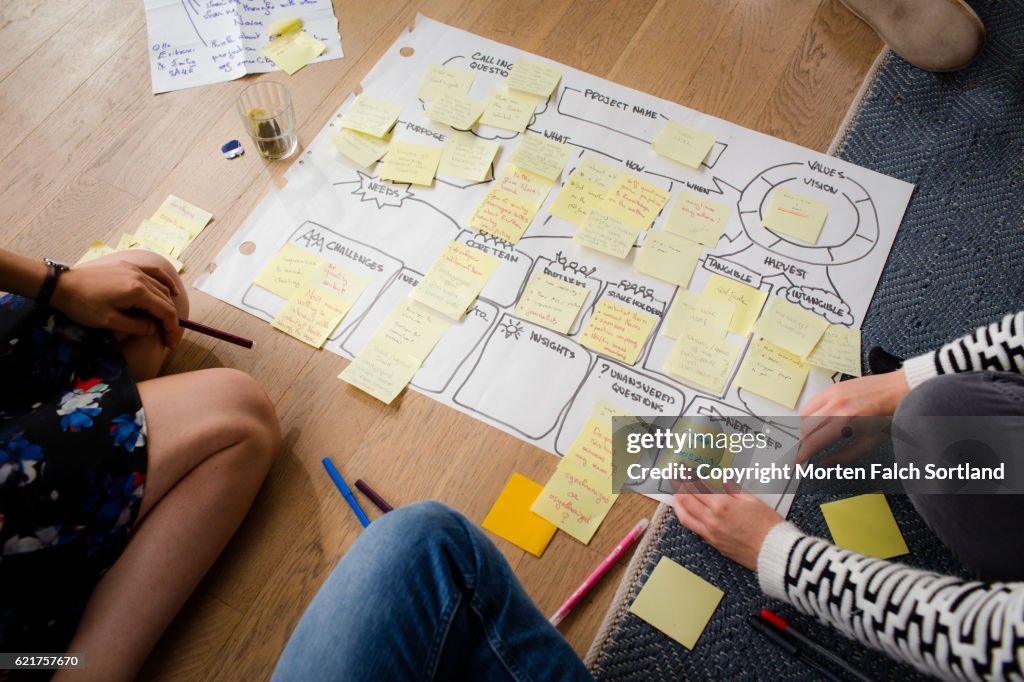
(213, 435)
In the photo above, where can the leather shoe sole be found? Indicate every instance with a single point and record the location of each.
(934, 35)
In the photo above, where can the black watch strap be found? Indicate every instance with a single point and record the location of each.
(53, 272)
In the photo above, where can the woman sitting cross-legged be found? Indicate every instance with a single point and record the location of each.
(118, 487)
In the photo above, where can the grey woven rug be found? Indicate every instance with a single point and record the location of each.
(958, 262)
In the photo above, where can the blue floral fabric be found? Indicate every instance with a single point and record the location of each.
(72, 469)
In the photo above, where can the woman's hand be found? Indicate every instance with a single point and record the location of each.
(733, 523)
(828, 416)
(122, 296)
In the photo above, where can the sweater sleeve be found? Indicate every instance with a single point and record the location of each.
(997, 346)
(943, 626)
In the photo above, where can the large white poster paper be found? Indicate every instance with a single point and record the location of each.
(526, 380)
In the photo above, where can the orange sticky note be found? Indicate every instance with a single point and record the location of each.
(511, 518)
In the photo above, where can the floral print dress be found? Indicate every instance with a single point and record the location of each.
(72, 470)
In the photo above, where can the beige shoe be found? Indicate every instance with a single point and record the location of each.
(934, 35)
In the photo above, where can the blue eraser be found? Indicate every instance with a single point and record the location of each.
(232, 149)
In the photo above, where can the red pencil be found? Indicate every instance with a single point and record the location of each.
(215, 333)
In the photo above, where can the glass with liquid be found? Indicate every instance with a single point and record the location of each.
(267, 113)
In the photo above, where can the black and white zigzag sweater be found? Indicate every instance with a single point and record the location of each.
(997, 346)
(947, 627)
(944, 626)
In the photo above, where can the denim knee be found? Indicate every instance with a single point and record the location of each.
(421, 520)
(965, 394)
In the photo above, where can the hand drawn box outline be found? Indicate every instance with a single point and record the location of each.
(347, 323)
(461, 363)
(560, 413)
(718, 147)
(598, 359)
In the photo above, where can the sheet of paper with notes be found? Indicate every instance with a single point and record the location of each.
(198, 42)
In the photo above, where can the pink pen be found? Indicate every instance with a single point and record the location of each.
(602, 568)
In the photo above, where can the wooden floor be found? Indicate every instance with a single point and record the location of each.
(89, 152)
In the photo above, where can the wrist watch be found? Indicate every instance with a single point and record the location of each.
(54, 269)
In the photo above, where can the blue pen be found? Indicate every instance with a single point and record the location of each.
(345, 492)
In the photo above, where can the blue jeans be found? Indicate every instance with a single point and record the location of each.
(424, 595)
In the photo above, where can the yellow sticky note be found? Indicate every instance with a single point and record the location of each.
(592, 448)
(503, 214)
(677, 601)
(534, 77)
(790, 327)
(838, 350)
(467, 157)
(550, 302)
(526, 184)
(174, 238)
(413, 329)
(511, 518)
(691, 310)
(607, 234)
(635, 201)
(600, 174)
(293, 50)
(364, 149)
(697, 218)
(576, 499)
(371, 115)
(455, 279)
(381, 369)
(617, 330)
(508, 110)
(865, 524)
(179, 213)
(130, 241)
(285, 274)
(282, 26)
(444, 80)
(340, 283)
(603, 412)
(773, 373)
(415, 164)
(668, 257)
(542, 156)
(458, 111)
(685, 144)
(702, 356)
(747, 299)
(311, 315)
(577, 199)
(95, 250)
(796, 215)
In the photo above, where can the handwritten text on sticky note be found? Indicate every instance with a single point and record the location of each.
(617, 330)
(773, 373)
(551, 302)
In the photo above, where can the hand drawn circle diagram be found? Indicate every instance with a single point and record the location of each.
(850, 231)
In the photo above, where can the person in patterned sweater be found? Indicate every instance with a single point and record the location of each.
(942, 625)
(462, 613)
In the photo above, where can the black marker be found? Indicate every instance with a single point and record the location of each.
(789, 647)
